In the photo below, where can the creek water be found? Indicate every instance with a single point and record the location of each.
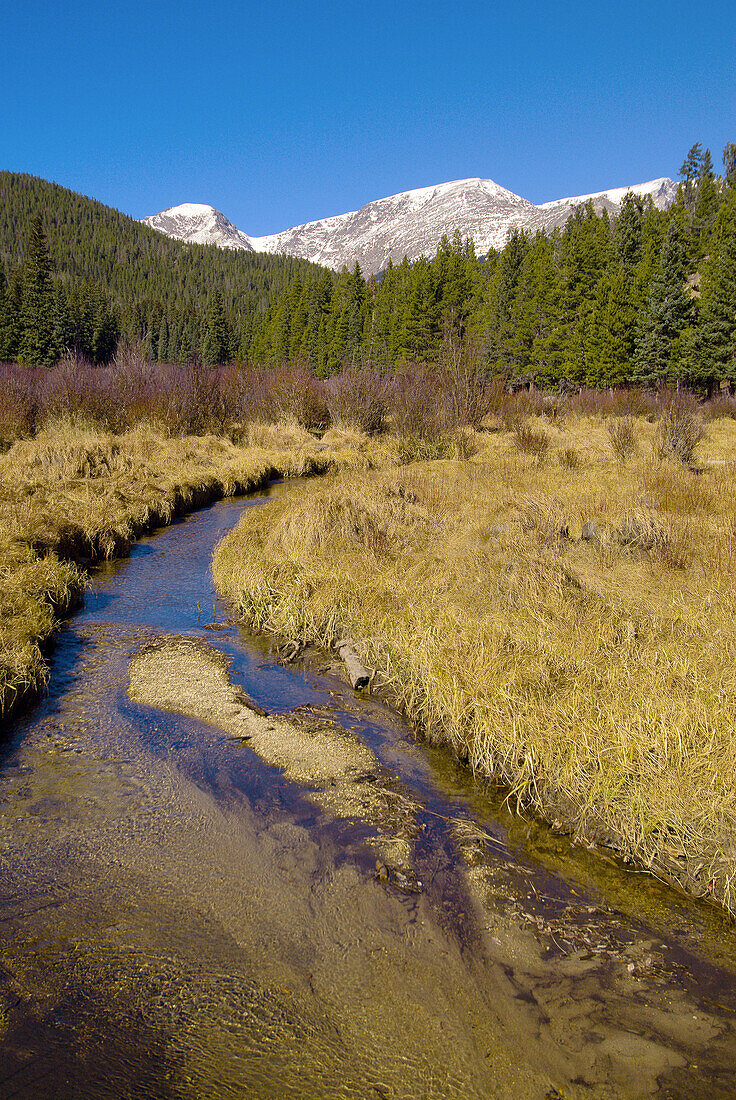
(178, 920)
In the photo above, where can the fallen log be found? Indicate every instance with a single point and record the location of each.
(358, 674)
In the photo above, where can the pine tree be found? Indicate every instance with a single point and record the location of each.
(216, 338)
(530, 348)
(37, 346)
(711, 357)
(585, 254)
(611, 332)
(690, 172)
(419, 334)
(497, 306)
(729, 163)
(9, 320)
(629, 232)
(669, 310)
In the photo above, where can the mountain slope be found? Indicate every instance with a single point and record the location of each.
(408, 224)
(198, 224)
(662, 191)
(88, 240)
(158, 288)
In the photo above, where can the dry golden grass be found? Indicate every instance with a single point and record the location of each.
(567, 626)
(75, 494)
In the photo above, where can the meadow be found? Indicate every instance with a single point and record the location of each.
(554, 601)
(544, 583)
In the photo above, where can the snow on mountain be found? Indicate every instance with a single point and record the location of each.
(199, 224)
(662, 192)
(408, 224)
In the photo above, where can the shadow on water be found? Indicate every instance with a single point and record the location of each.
(178, 920)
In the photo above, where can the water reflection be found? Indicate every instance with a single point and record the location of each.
(179, 921)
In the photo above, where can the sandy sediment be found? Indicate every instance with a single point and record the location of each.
(343, 776)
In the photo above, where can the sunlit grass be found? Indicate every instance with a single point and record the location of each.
(74, 494)
(595, 676)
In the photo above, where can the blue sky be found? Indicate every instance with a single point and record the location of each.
(279, 113)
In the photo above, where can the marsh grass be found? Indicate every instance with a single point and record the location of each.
(74, 494)
(531, 440)
(622, 436)
(596, 678)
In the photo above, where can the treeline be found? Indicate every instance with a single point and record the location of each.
(648, 297)
(103, 276)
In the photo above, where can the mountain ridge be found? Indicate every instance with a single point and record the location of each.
(409, 223)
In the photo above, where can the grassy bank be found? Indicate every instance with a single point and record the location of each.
(558, 607)
(74, 494)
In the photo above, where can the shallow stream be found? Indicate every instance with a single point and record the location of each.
(179, 920)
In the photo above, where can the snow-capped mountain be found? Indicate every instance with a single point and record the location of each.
(409, 224)
(662, 191)
(199, 224)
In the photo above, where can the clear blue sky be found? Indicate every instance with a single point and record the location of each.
(285, 111)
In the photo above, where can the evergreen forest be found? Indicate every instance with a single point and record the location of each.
(646, 298)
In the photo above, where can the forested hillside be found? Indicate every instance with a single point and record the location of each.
(648, 298)
(104, 274)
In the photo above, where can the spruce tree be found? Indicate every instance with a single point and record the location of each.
(611, 332)
(690, 172)
(669, 310)
(9, 320)
(216, 338)
(629, 232)
(729, 163)
(711, 357)
(37, 346)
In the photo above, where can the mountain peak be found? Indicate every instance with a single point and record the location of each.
(409, 223)
(198, 223)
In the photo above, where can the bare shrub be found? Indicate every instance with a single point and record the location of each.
(531, 441)
(720, 407)
(510, 413)
(622, 437)
(417, 408)
(627, 401)
(356, 399)
(469, 394)
(293, 393)
(19, 406)
(679, 431)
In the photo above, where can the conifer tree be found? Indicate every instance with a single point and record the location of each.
(711, 352)
(37, 346)
(216, 338)
(9, 320)
(419, 334)
(690, 172)
(611, 332)
(729, 163)
(500, 294)
(585, 253)
(669, 310)
(629, 232)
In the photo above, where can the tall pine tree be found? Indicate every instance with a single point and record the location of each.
(37, 346)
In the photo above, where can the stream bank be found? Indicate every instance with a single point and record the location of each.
(181, 919)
